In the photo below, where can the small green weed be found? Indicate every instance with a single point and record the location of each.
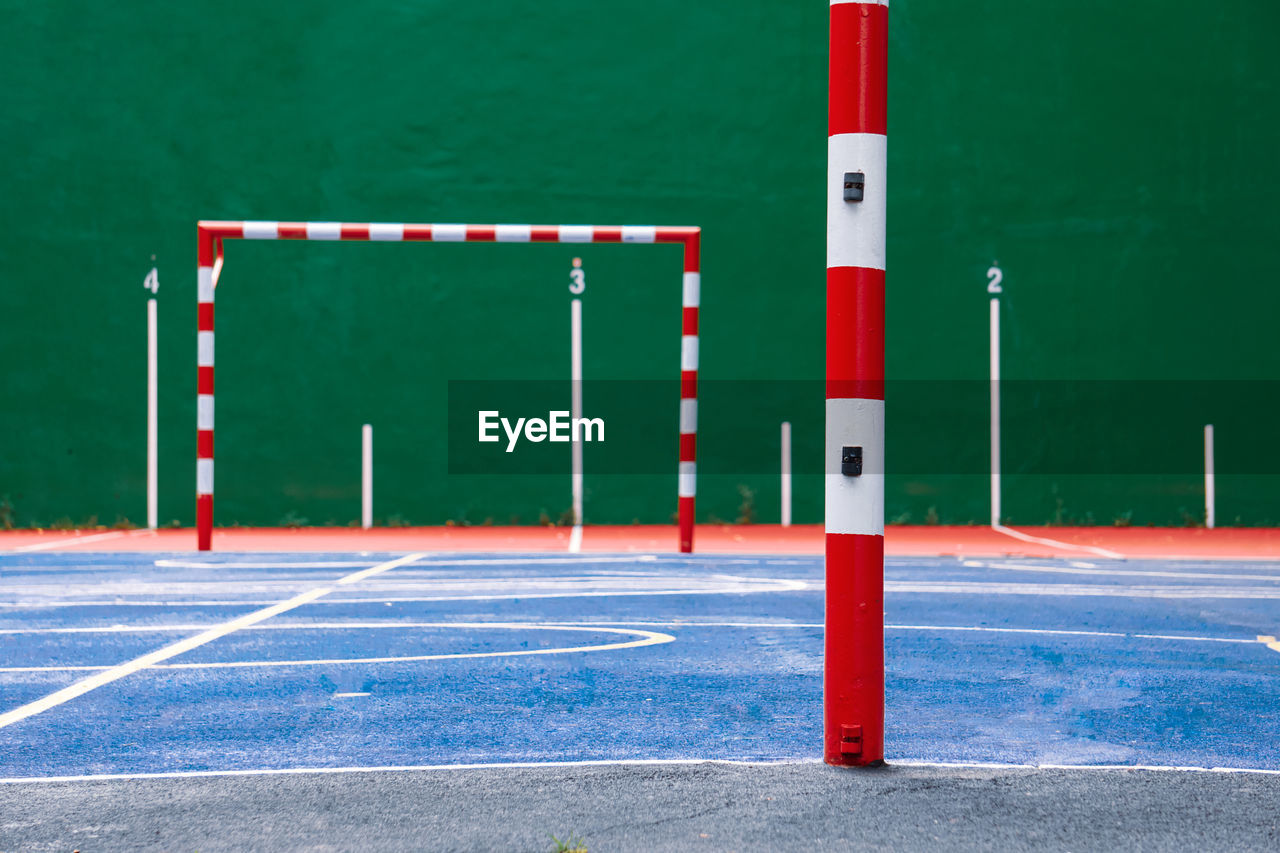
(571, 844)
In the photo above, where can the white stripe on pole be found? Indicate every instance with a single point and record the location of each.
(786, 473)
(575, 412)
(366, 476)
(995, 412)
(1210, 496)
(153, 429)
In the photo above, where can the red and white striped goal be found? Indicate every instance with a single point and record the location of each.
(209, 253)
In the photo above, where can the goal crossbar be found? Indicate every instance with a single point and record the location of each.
(211, 234)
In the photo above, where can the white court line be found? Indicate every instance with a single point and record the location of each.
(353, 626)
(498, 561)
(93, 682)
(1094, 570)
(69, 541)
(1054, 543)
(624, 762)
(348, 695)
(889, 627)
(648, 638)
(777, 585)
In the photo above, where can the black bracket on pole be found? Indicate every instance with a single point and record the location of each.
(851, 461)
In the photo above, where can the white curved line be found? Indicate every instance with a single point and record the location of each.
(1054, 543)
(647, 638)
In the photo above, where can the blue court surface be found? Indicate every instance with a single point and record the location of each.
(378, 660)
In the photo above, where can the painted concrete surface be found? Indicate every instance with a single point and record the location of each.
(493, 658)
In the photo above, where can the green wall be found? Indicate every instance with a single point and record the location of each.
(1118, 161)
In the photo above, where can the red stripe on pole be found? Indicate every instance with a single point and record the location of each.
(855, 333)
(689, 325)
(688, 384)
(606, 235)
(544, 234)
(204, 380)
(688, 447)
(204, 317)
(204, 444)
(684, 514)
(482, 233)
(693, 252)
(675, 233)
(859, 68)
(355, 232)
(291, 230)
(853, 664)
(204, 522)
(417, 232)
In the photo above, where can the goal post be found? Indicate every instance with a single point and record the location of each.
(853, 660)
(211, 234)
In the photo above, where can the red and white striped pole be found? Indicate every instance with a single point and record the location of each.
(853, 676)
(204, 388)
(688, 480)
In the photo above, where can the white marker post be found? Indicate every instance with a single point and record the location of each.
(366, 476)
(1210, 496)
(995, 276)
(152, 283)
(786, 473)
(577, 284)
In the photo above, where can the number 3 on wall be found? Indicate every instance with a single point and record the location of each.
(994, 276)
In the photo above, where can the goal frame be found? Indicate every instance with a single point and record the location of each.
(211, 234)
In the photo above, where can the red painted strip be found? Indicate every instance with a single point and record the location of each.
(355, 232)
(291, 230)
(855, 333)
(544, 234)
(859, 68)
(688, 446)
(417, 232)
(482, 233)
(689, 326)
(204, 444)
(608, 234)
(204, 316)
(204, 380)
(688, 384)
(684, 512)
(853, 665)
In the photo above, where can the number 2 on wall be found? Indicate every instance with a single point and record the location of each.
(994, 276)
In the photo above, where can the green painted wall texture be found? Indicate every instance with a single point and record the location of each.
(1117, 160)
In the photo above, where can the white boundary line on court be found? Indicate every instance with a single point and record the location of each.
(359, 626)
(70, 541)
(116, 673)
(623, 762)
(1086, 569)
(1054, 543)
